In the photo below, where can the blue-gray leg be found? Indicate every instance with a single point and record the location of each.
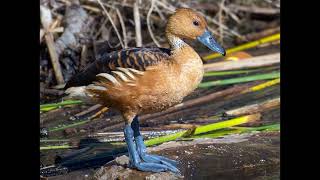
(142, 150)
(135, 160)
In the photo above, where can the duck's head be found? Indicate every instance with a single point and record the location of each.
(188, 24)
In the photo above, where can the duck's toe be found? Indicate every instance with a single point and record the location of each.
(150, 158)
(155, 167)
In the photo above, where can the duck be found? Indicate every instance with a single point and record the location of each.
(144, 80)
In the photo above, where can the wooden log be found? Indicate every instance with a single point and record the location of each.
(259, 61)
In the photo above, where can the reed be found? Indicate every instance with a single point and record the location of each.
(236, 130)
(272, 75)
(203, 129)
(51, 106)
(81, 122)
(55, 147)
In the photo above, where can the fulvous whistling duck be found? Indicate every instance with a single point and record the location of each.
(139, 81)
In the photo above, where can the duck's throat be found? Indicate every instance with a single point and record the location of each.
(175, 42)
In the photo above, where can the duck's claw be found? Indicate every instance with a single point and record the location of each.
(154, 167)
(142, 151)
(158, 159)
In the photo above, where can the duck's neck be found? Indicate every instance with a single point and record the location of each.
(188, 65)
(175, 42)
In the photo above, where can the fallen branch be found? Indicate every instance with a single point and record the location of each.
(259, 61)
(87, 111)
(254, 108)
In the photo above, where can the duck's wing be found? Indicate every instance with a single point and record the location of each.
(134, 58)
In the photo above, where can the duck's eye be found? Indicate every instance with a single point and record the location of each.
(196, 23)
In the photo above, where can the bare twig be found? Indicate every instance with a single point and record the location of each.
(123, 27)
(166, 6)
(105, 21)
(160, 13)
(149, 26)
(83, 56)
(220, 20)
(57, 30)
(41, 34)
(97, 114)
(136, 17)
(89, 110)
(112, 23)
(91, 8)
(223, 26)
(231, 14)
(255, 9)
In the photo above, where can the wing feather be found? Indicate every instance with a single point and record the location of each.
(134, 58)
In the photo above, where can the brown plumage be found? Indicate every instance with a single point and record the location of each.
(145, 80)
(136, 58)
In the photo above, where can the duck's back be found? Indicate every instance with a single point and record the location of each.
(135, 58)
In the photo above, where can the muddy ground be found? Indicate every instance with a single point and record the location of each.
(246, 156)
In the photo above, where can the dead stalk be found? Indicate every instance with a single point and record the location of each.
(136, 17)
(123, 27)
(149, 25)
(112, 23)
(46, 21)
(220, 20)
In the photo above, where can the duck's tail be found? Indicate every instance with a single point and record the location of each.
(78, 93)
